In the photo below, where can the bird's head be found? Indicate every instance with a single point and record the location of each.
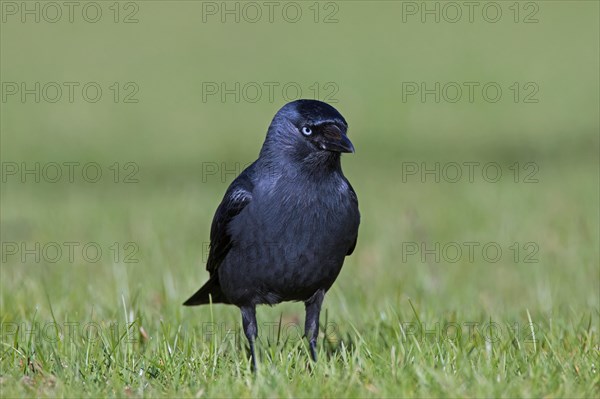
(308, 130)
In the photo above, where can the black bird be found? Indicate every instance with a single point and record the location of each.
(287, 222)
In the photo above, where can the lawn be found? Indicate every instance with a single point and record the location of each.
(477, 269)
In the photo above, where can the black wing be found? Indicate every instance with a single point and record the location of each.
(354, 198)
(237, 197)
(352, 247)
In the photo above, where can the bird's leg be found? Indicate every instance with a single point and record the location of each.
(311, 326)
(250, 329)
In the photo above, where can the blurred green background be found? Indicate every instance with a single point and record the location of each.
(173, 134)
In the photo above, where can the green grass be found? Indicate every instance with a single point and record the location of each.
(375, 358)
(394, 324)
(375, 343)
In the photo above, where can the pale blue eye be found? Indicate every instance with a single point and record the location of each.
(306, 131)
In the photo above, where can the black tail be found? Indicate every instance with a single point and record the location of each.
(203, 296)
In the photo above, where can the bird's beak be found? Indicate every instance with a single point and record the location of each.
(335, 140)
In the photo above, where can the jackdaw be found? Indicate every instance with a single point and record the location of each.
(287, 222)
